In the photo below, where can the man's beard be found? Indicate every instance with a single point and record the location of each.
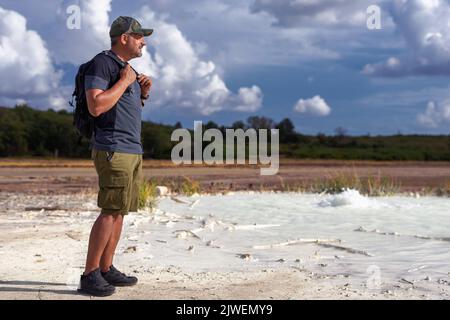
(136, 54)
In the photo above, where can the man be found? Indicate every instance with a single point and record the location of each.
(115, 95)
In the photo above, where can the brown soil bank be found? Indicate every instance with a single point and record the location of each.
(69, 176)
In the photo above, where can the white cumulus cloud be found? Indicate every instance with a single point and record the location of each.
(315, 106)
(425, 28)
(26, 70)
(76, 46)
(183, 79)
(436, 114)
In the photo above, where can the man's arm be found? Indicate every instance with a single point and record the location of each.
(100, 101)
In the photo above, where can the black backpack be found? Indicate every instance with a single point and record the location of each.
(82, 119)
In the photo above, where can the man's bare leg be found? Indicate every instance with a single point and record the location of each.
(106, 260)
(109, 273)
(98, 240)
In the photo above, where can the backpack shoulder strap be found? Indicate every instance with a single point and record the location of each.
(116, 59)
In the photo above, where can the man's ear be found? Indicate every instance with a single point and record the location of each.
(123, 39)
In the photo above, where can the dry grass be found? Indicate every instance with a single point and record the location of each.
(45, 163)
(372, 186)
(333, 183)
(83, 163)
(148, 197)
(443, 191)
(190, 187)
(179, 185)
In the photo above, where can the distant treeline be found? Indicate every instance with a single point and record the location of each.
(28, 132)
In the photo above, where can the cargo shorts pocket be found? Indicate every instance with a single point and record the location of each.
(113, 193)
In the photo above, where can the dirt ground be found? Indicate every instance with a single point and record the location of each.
(69, 176)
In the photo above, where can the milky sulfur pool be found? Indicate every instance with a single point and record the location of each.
(377, 243)
(396, 237)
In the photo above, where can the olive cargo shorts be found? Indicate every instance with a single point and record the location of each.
(119, 178)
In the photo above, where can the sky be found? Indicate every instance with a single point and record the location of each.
(314, 61)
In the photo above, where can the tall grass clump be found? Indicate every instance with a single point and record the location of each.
(148, 196)
(444, 191)
(190, 187)
(372, 186)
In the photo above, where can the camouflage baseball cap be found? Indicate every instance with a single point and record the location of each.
(127, 25)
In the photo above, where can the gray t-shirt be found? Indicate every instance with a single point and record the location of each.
(119, 129)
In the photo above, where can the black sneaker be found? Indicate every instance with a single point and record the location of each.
(118, 279)
(94, 285)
